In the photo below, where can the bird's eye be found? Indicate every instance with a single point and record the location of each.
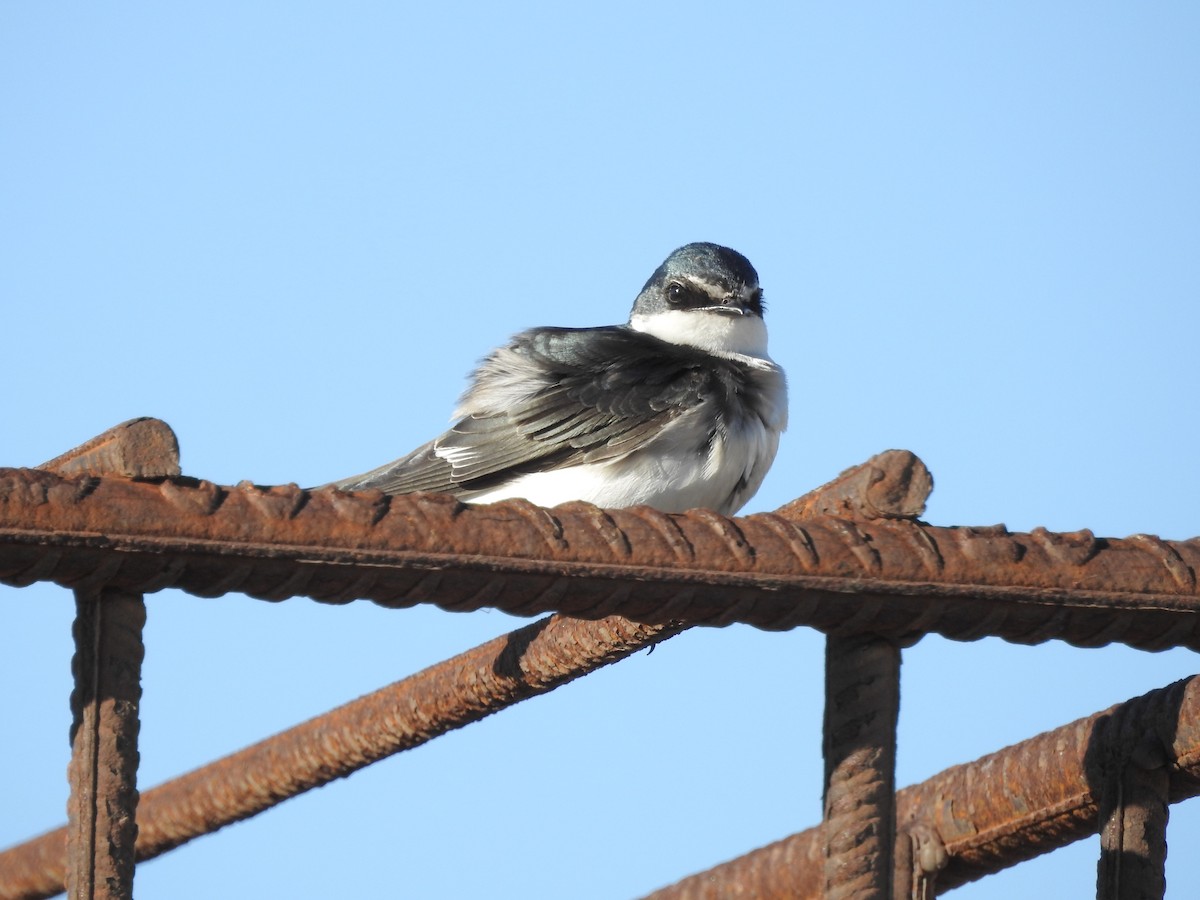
(676, 293)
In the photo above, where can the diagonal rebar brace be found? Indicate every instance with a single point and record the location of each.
(1000, 810)
(531, 660)
(763, 570)
(102, 806)
(527, 662)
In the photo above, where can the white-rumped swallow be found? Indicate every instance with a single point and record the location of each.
(679, 408)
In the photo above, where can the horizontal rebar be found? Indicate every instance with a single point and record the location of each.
(1002, 809)
(892, 578)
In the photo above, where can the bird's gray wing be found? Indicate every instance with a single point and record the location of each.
(558, 397)
(420, 470)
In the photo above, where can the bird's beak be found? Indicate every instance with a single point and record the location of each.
(733, 305)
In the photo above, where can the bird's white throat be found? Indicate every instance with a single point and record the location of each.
(718, 333)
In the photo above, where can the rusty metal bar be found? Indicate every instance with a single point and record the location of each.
(1075, 540)
(862, 703)
(763, 570)
(102, 807)
(528, 661)
(862, 696)
(139, 448)
(1133, 814)
(893, 484)
(1000, 810)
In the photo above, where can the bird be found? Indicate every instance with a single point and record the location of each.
(679, 408)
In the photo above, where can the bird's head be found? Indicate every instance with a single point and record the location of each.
(705, 296)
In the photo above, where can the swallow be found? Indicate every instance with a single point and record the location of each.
(680, 407)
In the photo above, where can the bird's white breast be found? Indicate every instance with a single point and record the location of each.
(668, 472)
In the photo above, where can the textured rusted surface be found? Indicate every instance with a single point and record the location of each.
(893, 484)
(142, 448)
(1133, 838)
(1133, 812)
(1046, 791)
(107, 665)
(453, 693)
(762, 569)
(993, 813)
(862, 694)
(862, 702)
(545, 654)
(101, 810)
(890, 577)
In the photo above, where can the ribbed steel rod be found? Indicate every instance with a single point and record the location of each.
(862, 702)
(107, 666)
(529, 661)
(891, 578)
(102, 806)
(1000, 810)
(1133, 811)
(862, 695)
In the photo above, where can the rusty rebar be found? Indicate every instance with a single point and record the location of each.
(1133, 812)
(1000, 810)
(102, 807)
(862, 703)
(547, 654)
(529, 661)
(862, 694)
(139, 448)
(107, 665)
(764, 570)
(894, 484)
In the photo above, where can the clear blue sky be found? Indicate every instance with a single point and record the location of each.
(290, 229)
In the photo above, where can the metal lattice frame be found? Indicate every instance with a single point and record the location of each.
(113, 520)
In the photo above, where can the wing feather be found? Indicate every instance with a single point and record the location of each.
(557, 397)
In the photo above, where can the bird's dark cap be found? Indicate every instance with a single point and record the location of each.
(710, 261)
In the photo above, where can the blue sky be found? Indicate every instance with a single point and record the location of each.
(290, 230)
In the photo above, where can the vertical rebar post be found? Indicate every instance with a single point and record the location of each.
(101, 810)
(862, 695)
(862, 703)
(107, 666)
(1134, 806)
